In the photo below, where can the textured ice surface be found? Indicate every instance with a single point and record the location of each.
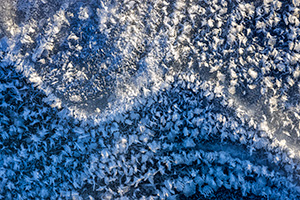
(149, 100)
(89, 54)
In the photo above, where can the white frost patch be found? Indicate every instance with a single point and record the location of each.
(72, 36)
(252, 73)
(264, 126)
(83, 13)
(36, 79)
(75, 98)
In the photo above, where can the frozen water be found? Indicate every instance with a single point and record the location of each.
(153, 99)
(89, 54)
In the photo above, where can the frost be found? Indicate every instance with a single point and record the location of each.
(83, 13)
(154, 146)
(75, 98)
(189, 143)
(252, 73)
(206, 191)
(189, 189)
(146, 100)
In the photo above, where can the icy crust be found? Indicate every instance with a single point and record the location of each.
(95, 56)
(229, 121)
(90, 55)
(178, 143)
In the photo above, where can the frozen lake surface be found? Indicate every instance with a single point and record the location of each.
(149, 100)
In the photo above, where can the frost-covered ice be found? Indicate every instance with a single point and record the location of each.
(90, 55)
(149, 100)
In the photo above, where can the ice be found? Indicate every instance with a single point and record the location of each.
(189, 189)
(4, 44)
(127, 99)
(83, 13)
